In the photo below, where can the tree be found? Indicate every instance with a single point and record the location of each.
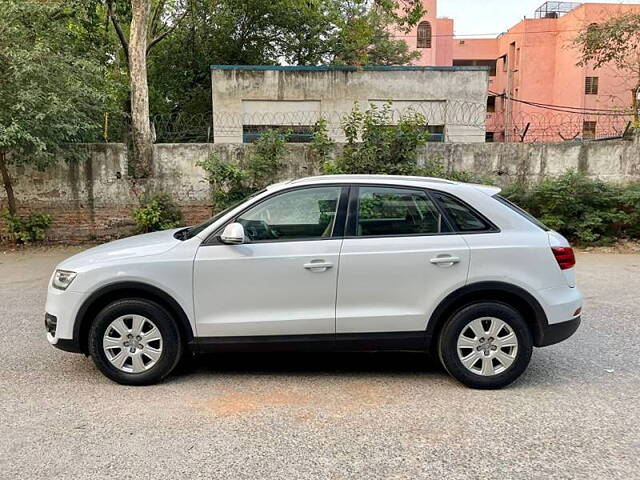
(614, 42)
(295, 32)
(52, 88)
(148, 27)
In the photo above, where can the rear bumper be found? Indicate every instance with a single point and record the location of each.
(557, 332)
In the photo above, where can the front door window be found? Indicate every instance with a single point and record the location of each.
(304, 214)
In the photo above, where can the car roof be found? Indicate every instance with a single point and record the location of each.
(427, 182)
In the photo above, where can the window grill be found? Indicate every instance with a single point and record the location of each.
(589, 129)
(591, 86)
(424, 35)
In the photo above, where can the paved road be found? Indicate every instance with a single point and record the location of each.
(574, 414)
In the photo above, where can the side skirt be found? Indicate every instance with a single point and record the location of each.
(341, 342)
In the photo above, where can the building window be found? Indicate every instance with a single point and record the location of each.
(436, 133)
(591, 86)
(491, 104)
(478, 63)
(589, 130)
(294, 133)
(489, 137)
(424, 35)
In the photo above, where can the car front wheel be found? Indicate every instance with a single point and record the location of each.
(485, 345)
(135, 342)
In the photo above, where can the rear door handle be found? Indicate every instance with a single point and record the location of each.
(445, 260)
(318, 266)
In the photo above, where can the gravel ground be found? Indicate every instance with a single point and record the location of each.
(574, 414)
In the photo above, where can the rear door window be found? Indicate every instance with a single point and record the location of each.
(389, 211)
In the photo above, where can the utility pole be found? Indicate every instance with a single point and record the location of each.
(507, 98)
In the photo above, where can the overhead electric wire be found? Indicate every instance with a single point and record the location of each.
(566, 109)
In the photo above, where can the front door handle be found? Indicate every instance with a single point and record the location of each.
(318, 266)
(445, 260)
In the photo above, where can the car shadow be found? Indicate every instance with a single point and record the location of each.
(305, 363)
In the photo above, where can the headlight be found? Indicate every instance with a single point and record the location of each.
(62, 279)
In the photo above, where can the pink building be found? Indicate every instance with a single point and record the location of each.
(535, 62)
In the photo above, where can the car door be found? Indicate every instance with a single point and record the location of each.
(282, 280)
(398, 259)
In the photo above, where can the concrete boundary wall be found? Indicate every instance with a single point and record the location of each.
(93, 199)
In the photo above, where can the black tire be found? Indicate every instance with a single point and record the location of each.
(448, 349)
(171, 342)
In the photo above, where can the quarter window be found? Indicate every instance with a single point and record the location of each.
(463, 217)
(300, 214)
(395, 211)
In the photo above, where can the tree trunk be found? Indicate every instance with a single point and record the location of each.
(140, 126)
(6, 179)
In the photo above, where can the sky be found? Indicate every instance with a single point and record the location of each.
(493, 16)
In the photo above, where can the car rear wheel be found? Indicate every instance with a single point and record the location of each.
(135, 342)
(485, 345)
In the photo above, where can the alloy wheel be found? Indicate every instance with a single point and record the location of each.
(132, 343)
(487, 346)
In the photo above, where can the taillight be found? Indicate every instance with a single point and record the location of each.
(564, 256)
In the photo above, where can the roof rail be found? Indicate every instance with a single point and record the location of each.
(372, 177)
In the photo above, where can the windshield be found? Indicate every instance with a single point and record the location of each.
(191, 232)
(522, 212)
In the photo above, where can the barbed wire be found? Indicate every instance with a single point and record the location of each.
(457, 121)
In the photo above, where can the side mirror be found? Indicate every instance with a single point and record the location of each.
(233, 234)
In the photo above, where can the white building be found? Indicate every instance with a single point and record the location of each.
(248, 99)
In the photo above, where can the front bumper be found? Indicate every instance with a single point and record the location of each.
(61, 310)
(557, 332)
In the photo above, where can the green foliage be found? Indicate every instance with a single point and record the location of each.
(265, 165)
(616, 42)
(378, 143)
(76, 37)
(586, 211)
(52, 90)
(29, 229)
(258, 32)
(630, 205)
(321, 143)
(157, 212)
(227, 180)
(231, 182)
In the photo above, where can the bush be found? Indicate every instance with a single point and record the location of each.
(266, 164)
(29, 229)
(378, 143)
(321, 143)
(157, 212)
(630, 206)
(231, 182)
(227, 180)
(585, 211)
